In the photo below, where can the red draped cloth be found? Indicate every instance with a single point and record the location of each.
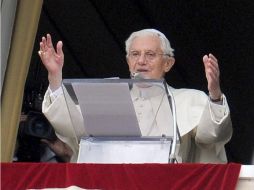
(119, 176)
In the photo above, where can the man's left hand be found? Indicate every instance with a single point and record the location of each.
(212, 72)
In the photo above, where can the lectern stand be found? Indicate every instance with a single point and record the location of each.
(118, 129)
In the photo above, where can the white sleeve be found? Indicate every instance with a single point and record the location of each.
(215, 124)
(54, 94)
(219, 111)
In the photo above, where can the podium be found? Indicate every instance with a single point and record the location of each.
(126, 120)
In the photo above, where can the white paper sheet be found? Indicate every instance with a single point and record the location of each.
(107, 109)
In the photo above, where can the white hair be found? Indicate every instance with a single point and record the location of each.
(165, 44)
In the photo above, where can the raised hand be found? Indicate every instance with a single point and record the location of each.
(212, 72)
(53, 60)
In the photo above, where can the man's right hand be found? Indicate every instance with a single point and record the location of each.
(53, 60)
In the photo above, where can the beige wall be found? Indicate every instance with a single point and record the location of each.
(24, 32)
(8, 10)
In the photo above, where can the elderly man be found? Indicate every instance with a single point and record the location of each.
(203, 121)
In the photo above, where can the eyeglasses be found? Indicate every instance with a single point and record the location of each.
(149, 55)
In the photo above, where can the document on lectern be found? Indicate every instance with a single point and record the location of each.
(107, 109)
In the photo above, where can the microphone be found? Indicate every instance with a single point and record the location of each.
(141, 77)
(137, 75)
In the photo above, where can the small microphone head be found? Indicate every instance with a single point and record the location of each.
(137, 75)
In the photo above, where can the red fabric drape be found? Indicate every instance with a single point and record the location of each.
(119, 176)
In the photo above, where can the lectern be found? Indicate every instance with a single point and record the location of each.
(125, 120)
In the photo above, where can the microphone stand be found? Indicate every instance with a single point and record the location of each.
(172, 154)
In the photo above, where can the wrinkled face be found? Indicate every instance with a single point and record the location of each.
(146, 57)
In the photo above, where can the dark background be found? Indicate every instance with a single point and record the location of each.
(94, 32)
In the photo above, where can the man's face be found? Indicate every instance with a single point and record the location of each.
(146, 57)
